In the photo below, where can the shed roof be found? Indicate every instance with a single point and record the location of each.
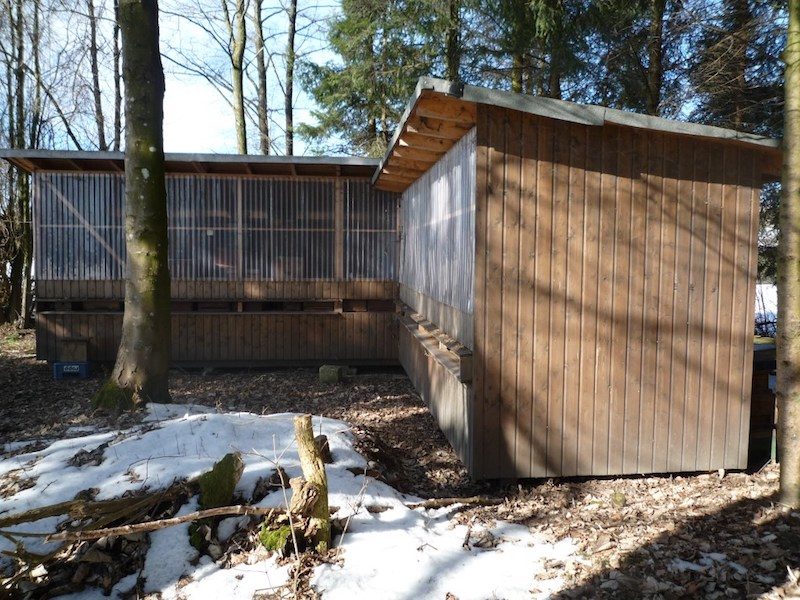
(212, 164)
(440, 112)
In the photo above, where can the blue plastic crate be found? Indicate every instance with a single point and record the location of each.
(63, 370)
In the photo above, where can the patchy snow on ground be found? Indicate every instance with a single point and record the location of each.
(391, 552)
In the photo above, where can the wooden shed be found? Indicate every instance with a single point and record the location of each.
(569, 287)
(599, 265)
(273, 260)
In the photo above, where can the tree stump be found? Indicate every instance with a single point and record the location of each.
(314, 474)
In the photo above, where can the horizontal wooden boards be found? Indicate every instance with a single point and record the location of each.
(223, 290)
(614, 294)
(237, 338)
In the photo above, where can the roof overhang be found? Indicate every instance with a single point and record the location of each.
(440, 112)
(33, 161)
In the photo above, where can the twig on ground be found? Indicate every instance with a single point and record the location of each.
(443, 502)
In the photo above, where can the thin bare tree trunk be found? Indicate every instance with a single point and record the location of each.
(288, 102)
(239, 38)
(99, 119)
(20, 187)
(141, 369)
(26, 237)
(789, 272)
(261, 68)
(117, 81)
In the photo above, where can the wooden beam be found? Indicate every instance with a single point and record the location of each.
(447, 109)
(387, 186)
(403, 172)
(436, 128)
(409, 164)
(400, 175)
(414, 140)
(417, 154)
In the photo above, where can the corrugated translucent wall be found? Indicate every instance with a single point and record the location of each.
(370, 232)
(438, 245)
(221, 228)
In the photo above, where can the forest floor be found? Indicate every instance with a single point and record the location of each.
(712, 535)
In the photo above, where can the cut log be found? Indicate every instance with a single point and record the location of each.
(314, 473)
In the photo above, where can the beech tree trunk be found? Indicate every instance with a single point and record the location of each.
(141, 369)
(261, 69)
(789, 272)
(288, 100)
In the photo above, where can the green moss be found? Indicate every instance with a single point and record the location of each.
(196, 538)
(113, 399)
(218, 484)
(274, 539)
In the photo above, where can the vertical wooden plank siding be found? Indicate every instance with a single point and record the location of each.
(613, 282)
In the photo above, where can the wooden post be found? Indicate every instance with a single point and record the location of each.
(314, 473)
(338, 240)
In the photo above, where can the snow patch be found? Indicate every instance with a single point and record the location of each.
(395, 552)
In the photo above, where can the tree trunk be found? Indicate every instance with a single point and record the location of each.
(314, 473)
(655, 50)
(789, 272)
(288, 101)
(453, 41)
(99, 119)
(517, 66)
(261, 68)
(20, 187)
(239, 37)
(117, 81)
(740, 40)
(141, 369)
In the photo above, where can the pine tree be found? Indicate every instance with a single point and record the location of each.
(361, 98)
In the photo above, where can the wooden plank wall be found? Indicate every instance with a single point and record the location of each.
(237, 338)
(223, 290)
(449, 400)
(615, 276)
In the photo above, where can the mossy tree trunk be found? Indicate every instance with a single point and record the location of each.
(141, 370)
(789, 272)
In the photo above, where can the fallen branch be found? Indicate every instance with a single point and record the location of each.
(94, 534)
(80, 509)
(443, 502)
